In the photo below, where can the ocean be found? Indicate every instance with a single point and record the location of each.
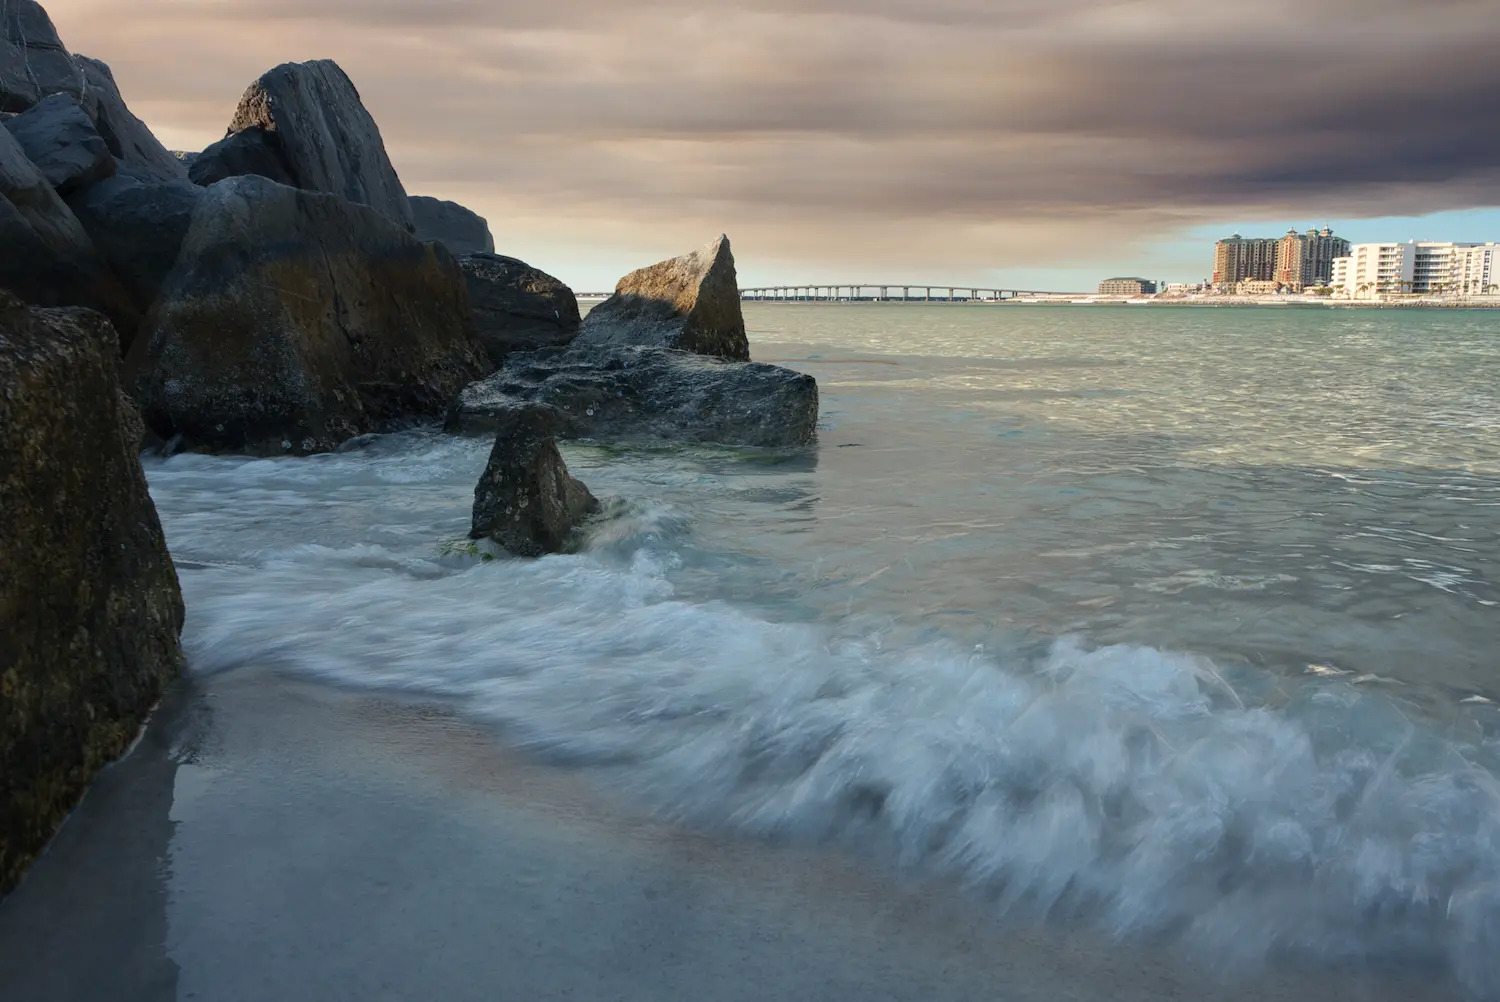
(1179, 623)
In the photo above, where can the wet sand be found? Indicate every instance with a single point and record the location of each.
(269, 839)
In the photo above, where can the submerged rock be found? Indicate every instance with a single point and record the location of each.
(60, 138)
(328, 139)
(252, 151)
(295, 320)
(461, 230)
(690, 302)
(90, 612)
(516, 307)
(621, 394)
(526, 501)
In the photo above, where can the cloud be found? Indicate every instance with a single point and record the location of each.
(976, 133)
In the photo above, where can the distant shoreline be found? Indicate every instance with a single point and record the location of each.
(1083, 299)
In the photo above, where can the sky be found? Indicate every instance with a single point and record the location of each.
(1041, 144)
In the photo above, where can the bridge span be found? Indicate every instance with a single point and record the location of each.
(888, 293)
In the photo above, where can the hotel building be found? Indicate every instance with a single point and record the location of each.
(1240, 258)
(1306, 259)
(1127, 287)
(1418, 267)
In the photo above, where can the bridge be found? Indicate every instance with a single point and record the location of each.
(888, 293)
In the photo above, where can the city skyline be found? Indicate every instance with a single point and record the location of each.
(1025, 144)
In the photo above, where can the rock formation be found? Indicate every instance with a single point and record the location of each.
(33, 60)
(690, 302)
(461, 230)
(90, 612)
(58, 136)
(294, 320)
(526, 501)
(142, 155)
(621, 394)
(328, 140)
(516, 307)
(253, 151)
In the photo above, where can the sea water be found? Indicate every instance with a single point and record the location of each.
(1183, 623)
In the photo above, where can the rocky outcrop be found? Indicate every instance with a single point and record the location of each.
(33, 60)
(461, 230)
(690, 302)
(294, 320)
(138, 228)
(516, 307)
(127, 136)
(329, 141)
(253, 151)
(526, 501)
(58, 136)
(624, 394)
(46, 257)
(90, 611)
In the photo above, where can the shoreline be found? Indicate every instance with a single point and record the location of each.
(1207, 301)
(276, 838)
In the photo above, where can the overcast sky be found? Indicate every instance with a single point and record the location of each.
(984, 141)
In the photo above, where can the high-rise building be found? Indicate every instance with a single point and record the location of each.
(1476, 270)
(1306, 259)
(1239, 258)
(1421, 267)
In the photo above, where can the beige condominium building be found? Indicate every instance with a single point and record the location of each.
(1304, 260)
(1240, 258)
(1418, 267)
(1127, 287)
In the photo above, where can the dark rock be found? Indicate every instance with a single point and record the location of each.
(253, 151)
(516, 307)
(328, 139)
(33, 60)
(90, 612)
(46, 257)
(526, 501)
(690, 302)
(295, 320)
(138, 228)
(127, 136)
(461, 230)
(621, 394)
(186, 158)
(60, 139)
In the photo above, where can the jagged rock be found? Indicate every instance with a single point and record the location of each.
(186, 157)
(690, 302)
(33, 60)
(58, 136)
(127, 136)
(253, 151)
(627, 393)
(461, 230)
(329, 141)
(516, 307)
(138, 228)
(46, 257)
(90, 612)
(295, 320)
(526, 501)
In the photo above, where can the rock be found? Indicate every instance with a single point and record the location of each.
(461, 230)
(516, 307)
(625, 393)
(526, 501)
(58, 136)
(90, 612)
(138, 228)
(46, 257)
(33, 60)
(127, 136)
(328, 139)
(184, 157)
(690, 302)
(295, 320)
(253, 151)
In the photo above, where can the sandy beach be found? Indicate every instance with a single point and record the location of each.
(271, 839)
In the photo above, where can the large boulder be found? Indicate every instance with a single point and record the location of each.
(295, 320)
(253, 151)
(329, 141)
(46, 257)
(58, 136)
(127, 136)
(461, 230)
(90, 612)
(138, 227)
(690, 302)
(526, 501)
(33, 60)
(626, 394)
(517, 307)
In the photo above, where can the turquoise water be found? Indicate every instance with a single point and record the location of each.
(1180, 622)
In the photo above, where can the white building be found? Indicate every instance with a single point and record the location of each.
(1476, 270)
(1417, 267)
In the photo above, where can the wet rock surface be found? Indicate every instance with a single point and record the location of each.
(526, 501)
